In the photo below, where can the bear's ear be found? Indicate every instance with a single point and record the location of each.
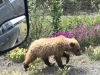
(72, 44)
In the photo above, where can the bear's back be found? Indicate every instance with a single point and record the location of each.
(51, 41)
(44, 45)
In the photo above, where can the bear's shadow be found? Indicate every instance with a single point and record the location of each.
(52, 70)
(55, 69)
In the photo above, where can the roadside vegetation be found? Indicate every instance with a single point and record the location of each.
(85, 28)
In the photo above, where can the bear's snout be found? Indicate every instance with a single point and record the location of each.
(77, 53)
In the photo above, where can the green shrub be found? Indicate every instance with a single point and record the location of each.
(17, 55)
(55, 13)
(93, 52)
(67, 22)
(39, 22)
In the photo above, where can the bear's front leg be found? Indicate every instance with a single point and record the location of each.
(46, 61)
(59, 62)
(26, 66)
(66, 56)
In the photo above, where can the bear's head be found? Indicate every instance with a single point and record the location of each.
(74, 46)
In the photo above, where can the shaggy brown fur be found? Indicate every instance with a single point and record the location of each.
(45, 47)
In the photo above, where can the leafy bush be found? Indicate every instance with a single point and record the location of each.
(56, 12)
(93, 52)
(17, 55)
(67, 22)
(42, 25)
(75, 6)
(39, 22)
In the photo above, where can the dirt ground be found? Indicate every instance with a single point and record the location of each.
(79, 65)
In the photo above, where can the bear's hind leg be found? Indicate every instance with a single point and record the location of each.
(66, 56)
(59, 62)
(46, 61)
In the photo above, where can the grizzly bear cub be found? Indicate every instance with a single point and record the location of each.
(57, 46)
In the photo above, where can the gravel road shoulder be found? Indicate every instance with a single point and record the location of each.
(79, 65)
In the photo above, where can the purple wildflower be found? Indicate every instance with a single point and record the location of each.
(68, 34)
(96, 29)
(80, 33)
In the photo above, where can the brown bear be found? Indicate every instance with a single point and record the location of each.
(57, 46)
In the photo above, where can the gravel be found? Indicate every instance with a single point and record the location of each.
(82, 65)
(79, 65)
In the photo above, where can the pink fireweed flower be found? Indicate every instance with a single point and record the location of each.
(96, 29)
(80, 32)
